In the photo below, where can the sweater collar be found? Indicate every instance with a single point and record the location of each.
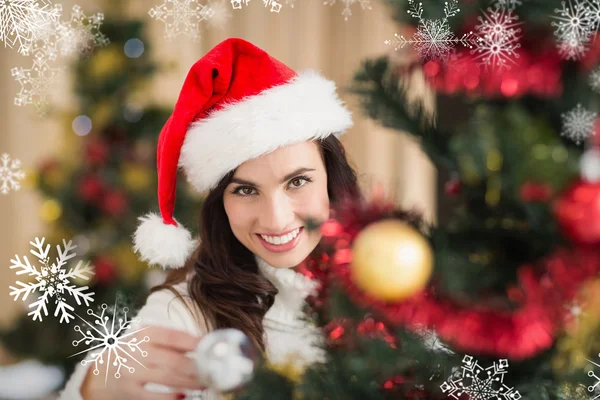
(287, 280)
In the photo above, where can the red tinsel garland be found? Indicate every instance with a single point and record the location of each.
(539, 297)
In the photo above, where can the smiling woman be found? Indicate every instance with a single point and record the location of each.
(263, 141)
(267, 216)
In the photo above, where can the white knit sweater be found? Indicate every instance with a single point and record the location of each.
(287, 337)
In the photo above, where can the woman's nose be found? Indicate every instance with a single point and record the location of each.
(277, 214)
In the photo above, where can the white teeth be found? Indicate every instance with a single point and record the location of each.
(281, 239)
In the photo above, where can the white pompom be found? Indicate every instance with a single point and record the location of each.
(160, 244)
(225, 360)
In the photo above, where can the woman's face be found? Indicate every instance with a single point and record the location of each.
(271, 196)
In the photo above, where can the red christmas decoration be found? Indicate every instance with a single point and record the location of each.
(453, 187)
(522, 330)
(531, 74)
(114, 203)
(370, 327)
(404, 388)
(90, 188)
(577, 211)
(105, 270)
(96, 151)
(534, 192)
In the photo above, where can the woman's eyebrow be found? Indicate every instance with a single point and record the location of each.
(285, 178)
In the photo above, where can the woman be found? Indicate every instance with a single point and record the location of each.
(261, 140)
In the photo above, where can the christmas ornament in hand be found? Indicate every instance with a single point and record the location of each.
(578, 209)
(391, 260)
(225, 360)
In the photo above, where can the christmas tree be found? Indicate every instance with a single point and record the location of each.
(101, 182)
(499, 299)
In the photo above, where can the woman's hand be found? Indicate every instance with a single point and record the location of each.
(166, 364)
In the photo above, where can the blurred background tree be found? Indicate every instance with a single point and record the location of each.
(102, 181)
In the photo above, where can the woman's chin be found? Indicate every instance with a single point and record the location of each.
(285, 260)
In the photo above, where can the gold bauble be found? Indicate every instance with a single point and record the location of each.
(391, 260)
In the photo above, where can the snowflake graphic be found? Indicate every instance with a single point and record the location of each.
(433, 39)
(52, 280)
(572, 48)
(81, 34)
(36, 82)
(498, 35)
(45, 45)
(77, 36)
(221, 13)
(275, 6)
(509, 4)
(479, 383)
(10, 174)
(578, 124)
(106, 337)
(181, 17)
(347, 12)
(22, 20)
(237, 4)
(573, 27)
(595, 388)
(594, 80)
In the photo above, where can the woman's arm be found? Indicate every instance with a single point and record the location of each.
(162, 309)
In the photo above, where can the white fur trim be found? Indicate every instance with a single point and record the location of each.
(305, 108)
(160, 244)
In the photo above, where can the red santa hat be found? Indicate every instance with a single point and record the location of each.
(237, 103)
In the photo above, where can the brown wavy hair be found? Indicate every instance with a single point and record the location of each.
(226, 285)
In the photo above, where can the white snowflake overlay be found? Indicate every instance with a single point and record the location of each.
(578, 124)
(347, 12)
(181, 17)
(106, 337)
(595, 388)
(594, 80)
(576, 24)
(494, 43)
(22, 20)
(10, 174)
(433, 39)
(81, 34)
(275, 6)
(479, 383)
(77, 36)
(498, 36)
(510, 4)
(52, 281)
(36, 83)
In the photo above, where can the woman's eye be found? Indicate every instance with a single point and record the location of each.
(243, 191)
(298, 182)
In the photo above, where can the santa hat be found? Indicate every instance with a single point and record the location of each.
(237, 103)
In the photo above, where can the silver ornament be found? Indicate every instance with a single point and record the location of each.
(225, 360)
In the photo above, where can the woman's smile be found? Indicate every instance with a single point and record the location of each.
(282, 243)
